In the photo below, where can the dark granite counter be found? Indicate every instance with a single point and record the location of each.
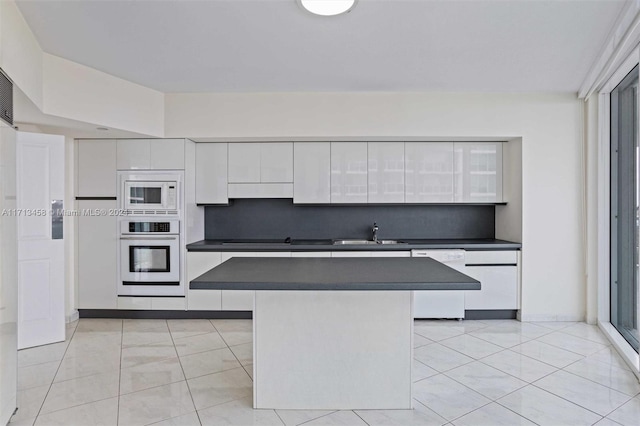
(363, 274)
(327, 245)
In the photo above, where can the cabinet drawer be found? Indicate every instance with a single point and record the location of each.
(204, 300)
(168, 303)
(134, 303)
(237, 300)
(505, 257)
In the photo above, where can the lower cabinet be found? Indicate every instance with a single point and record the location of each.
(497, 272)
(152, 303)
(197, 264)
(242, 300)
(97, 255)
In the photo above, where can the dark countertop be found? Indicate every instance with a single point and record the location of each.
(363, 274)
(326, 245)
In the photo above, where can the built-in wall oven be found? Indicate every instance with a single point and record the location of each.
(149, 259)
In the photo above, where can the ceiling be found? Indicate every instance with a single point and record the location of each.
(382, 45)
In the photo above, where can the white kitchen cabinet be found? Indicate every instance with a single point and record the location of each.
(96, 168)
(97, 257)
(150, 154)
(261, 162)
(478, 172)
(211, 173)
(260, 190)
(276, 162)
(151, 303)
(385, 172)
(349, 172)
(244, 163)
(497, 272)
(312, 172)
(134, 303)
(429, 172)
(199, 262)
(242, 300)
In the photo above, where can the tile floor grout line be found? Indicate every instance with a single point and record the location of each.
(185, 376)
(571, 402)
(281, 421)
(324, 415)
(120, 375)
(365, 422)
(234, 354)
(58, 369)
(593, 381)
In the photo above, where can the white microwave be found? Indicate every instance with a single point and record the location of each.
(159, 192)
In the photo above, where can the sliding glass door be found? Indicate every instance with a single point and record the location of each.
(624, 193)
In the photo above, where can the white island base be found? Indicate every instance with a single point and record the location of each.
(332, 350)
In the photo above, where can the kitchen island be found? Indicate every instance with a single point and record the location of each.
(333, 333)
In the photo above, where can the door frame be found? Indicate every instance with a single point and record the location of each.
(630, 356)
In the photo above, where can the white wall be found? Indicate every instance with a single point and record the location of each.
(553, 283)
(20, 53)
(81, 93)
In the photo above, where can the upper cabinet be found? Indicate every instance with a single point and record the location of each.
(478, 172)
(150, 154)
(211, 173)
(429, 172)
(96, 168)
(312, 172)
(386, 167)
(265, 162)
(349, 172)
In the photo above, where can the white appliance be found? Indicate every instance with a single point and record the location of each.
(150, 192)
(149, 257)
(440, 304)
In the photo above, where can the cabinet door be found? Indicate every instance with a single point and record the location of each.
(499, 287)
(429, 172)
(97, 168)
(312, 172)
(348, 172)
(478, 172)
(134, 154)
(197, 264)
(242, 300)
(350, 254)
(97, 257)
(211, 173)
(386, 172)
(311, 254)
(244, 163)
(276, 162)
(167, 154)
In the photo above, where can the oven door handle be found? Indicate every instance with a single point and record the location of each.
(149, 238)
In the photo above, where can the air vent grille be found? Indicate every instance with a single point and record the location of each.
(6, 98)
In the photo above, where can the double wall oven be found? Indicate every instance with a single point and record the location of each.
(149, 258)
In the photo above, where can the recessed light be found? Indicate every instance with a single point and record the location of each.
(327, 7)
(102, 128)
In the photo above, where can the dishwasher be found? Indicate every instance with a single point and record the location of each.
(440, 303)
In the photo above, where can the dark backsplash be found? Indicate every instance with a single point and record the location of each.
(280, 218)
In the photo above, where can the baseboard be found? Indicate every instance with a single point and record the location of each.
(551, 318)
(73, 317)
(141, 314)
(480, 314)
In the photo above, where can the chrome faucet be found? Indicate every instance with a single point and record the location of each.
(374, 231)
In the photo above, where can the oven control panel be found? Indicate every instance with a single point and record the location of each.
(149, 227)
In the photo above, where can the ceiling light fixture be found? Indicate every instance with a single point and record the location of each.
(327, 7)
(104, 129)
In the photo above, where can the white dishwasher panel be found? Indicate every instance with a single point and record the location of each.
(440, 304)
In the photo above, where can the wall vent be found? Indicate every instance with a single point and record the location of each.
(6, 98)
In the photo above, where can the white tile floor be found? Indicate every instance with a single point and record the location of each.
(192, 372)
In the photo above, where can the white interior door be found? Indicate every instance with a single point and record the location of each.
(40, 180)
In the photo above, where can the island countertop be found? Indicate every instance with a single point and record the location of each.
(346, 274)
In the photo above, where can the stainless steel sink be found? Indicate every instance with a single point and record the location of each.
(363, 242)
